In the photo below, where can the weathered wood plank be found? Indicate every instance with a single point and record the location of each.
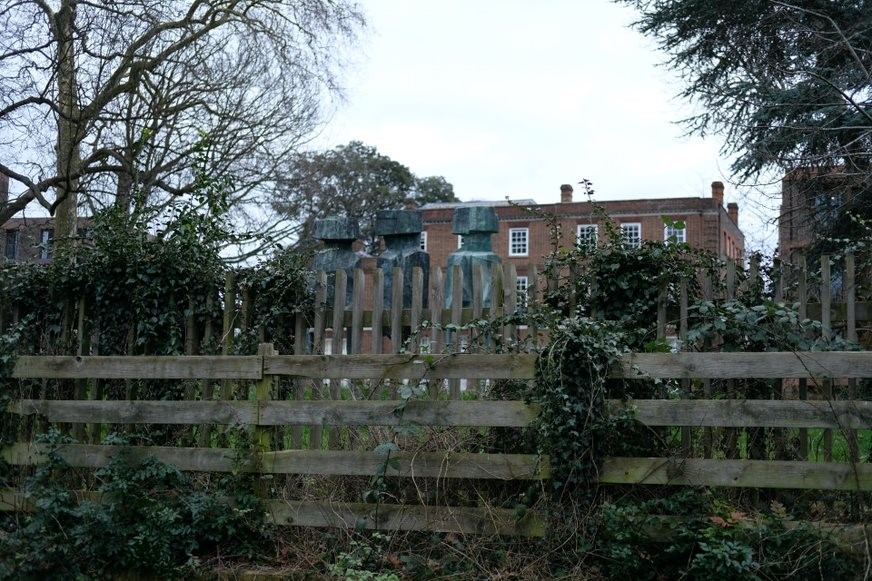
(750, 413)
(140, 367)
(697, 413)
(323, 462)
(397, 517)
(415, 412)
(411, 366)
(736, 473)
(818, 365)
(225, 412)
(418, 291)
(833, 364)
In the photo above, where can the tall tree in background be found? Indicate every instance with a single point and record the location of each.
(110, 99)
(353, 180)
(789, 85)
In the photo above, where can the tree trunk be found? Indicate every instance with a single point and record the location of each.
(70, 131)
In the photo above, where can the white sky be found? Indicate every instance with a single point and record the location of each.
(513, 98)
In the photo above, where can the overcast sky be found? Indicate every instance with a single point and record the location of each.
(513, 98)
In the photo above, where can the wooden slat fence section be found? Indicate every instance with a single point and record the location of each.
(310, 462)
(740, 365)
(405, 366)
(696, 413)
(392, 517)
(750, 413)
(141, 367)
(737, 473)
(285, 413)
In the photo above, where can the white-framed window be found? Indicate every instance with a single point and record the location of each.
(586, 235)
(46, 240)
(631, 235)
(423, 245)
(671, 234)
(459, 241)
(521, 283)
(519, 241)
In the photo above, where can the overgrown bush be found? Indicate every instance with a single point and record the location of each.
(149, 518)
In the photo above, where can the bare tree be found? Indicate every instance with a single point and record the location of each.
(104, 101)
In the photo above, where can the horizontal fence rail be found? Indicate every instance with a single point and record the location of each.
(737, 473)
(768, 365)
(511, 414)
(396, 517)
(314, 462)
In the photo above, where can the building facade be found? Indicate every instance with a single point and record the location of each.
(524, 236)
(811, 199)
(30, 239)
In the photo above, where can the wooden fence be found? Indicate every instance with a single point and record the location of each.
(255, 407)
(367, 326)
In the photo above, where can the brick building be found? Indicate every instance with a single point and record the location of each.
(524, 237)
(810, 199)
(29, 239)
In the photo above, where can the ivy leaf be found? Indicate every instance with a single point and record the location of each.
(385, 448)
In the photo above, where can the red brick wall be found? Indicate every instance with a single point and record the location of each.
(708, 226)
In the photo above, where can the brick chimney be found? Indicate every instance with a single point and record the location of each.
(733, 212)
(566, 194)
(718, 192)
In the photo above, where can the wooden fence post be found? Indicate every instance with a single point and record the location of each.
(263, 392)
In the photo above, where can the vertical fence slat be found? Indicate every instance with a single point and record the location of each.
(496, 302)
(477, 300)
(436, 303)
(826, 331)
(205, 436)
(707, 434)
(228, 323)
(397, 310)
(454, 337)
(496, 294)
(661, 309)
(802, 296)
(357, 311)
(263, 392)
(378, 310)
(477, 291)
(850, 298)
(417, 308)
(778, 290)
(396, 319)
(336, 342)
(82, 348)
(300, 331)
(686, 431)
(316, 432)
(731, 435)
